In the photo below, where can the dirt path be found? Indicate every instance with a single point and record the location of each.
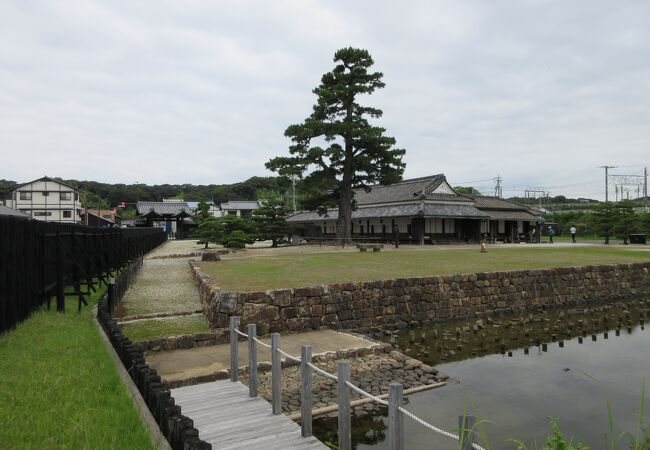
(183, 364)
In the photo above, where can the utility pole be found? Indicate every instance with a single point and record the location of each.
(606, 173)
(497, 189)
(645, 188)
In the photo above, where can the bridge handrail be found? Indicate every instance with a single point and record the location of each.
(395, 432)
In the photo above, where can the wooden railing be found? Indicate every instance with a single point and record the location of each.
(467, 424)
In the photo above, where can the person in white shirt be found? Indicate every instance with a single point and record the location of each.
(573, 230)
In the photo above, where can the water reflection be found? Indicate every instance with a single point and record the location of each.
(517, 371)
(458, 341)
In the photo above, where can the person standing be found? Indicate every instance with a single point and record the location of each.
(396, 235)
(573, 231)
(551, 233)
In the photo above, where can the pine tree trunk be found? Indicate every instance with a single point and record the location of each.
(343, 231)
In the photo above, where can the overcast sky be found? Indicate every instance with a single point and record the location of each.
(541, 93)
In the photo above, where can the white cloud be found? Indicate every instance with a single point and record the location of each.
(541, 93)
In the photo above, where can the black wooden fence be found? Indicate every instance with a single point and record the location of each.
(178, 429)
(41, 260)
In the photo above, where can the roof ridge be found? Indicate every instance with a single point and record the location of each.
(410, 180)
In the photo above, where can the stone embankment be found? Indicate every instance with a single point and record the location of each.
(372, 305)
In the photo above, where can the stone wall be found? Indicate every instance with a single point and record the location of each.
(398, 303)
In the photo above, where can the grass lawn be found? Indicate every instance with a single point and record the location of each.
(259, 274)
(60, 389)
(168, 326)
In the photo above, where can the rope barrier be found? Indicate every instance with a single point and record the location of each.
(366, 394)
(261, 343)
(435, 429)
(240, 333)
(322, 372)
(288, 356)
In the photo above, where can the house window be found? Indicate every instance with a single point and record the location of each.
(232, 213)
(76, 197)
(66, 195)
(43, 213)
(67, 214)
(25, 195)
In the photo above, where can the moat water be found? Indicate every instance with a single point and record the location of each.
(516, 372)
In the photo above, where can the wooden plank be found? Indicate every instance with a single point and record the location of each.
(228, 418)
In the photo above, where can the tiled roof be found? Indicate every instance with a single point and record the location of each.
(510, 215)
(163, 209)
(485, 202)
(398, 192)
(406, 210)
(6, 211)
(241, 204)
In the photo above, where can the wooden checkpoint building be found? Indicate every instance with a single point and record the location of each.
(426, 210)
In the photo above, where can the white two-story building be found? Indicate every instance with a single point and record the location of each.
(48, 200)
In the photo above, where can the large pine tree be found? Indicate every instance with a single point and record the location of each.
(352, 152)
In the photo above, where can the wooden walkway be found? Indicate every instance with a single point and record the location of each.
(228, 418)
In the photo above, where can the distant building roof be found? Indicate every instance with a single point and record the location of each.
(194, 205)
(241, 204)
(45, 178)
(6, 211)
(160, 209)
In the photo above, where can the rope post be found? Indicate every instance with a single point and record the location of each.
(276, 374)
(305, 390)
(345, 417)
(252, 360)
(466, 426)
(234, 363)
(395, 423)
(110, 299)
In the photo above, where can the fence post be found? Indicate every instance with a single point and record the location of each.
(395, 423)
(276, 374)
(234, 363)
(466, 426)
(345, 418)
(305, 390)
(252, 360)
(111, 296)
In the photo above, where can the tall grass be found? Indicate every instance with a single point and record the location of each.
(60, 389)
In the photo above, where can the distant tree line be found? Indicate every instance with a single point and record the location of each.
(106, 195)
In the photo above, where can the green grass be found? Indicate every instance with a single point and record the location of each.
(277, 272)
(60, 389)
(168, 326)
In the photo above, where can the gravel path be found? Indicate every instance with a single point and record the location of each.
(163, 285)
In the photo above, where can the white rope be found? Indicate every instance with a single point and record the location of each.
(261, 343)
(240, 333)
(366, 394)
(288, 356)
(435, 429)
(428, 425)
(322, 372)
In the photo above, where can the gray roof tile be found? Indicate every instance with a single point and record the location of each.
(163, 208)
